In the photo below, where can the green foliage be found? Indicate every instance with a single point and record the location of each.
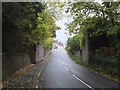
(48, 43)
(56, 9)
(26, 24)
(77, 60)
(74, 43)
(99, 20)
(82, 39)
(102, 23)
(105, 63)
(45, 29)
(17, 21)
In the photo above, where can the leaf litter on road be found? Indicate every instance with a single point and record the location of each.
(16, 77)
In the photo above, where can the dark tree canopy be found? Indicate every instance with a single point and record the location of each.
(25, 24)
(102, 21)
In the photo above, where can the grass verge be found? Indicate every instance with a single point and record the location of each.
(77, 60)
(94, 68)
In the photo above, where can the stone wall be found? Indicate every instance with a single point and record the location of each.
(0, 42)
(77, 54)
(12, 63)
(85, 50)
(39, 53)
(0, 67)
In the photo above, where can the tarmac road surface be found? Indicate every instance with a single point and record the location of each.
(60, 71)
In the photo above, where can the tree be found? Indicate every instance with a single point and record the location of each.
(74, 43)
(18, 20)
(25, 25)
(97, 19)
(45, 30)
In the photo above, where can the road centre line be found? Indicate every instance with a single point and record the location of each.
(77, 77)
(67, 68)
(63, 62)
(83, 82)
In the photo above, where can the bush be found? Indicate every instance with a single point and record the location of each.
(73, 43)
(103, 62)
(77, 60)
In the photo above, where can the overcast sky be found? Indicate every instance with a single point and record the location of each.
(61, 36)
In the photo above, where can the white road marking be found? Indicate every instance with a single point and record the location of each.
(66, 68)
(77, 77)
(63, 62)
(82, 82)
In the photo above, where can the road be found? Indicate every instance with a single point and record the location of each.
(60, 71)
